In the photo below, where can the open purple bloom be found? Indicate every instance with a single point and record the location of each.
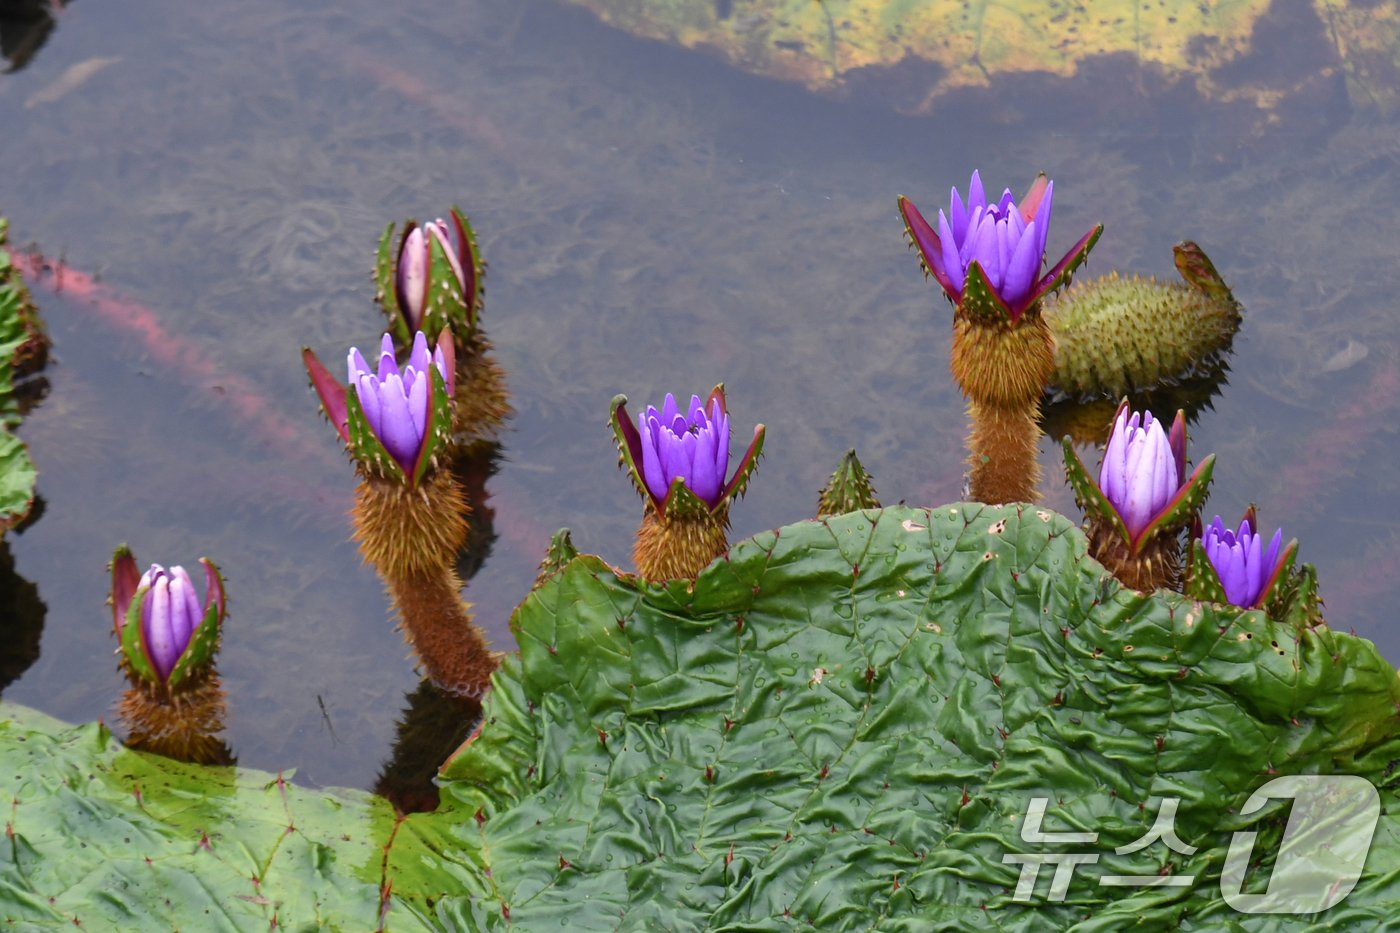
(1002, 239)
(1241, 561)
(395, 401)
(693, 447)
(1142, 469)
(411, 277)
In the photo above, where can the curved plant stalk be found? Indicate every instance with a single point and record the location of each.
(410, 521)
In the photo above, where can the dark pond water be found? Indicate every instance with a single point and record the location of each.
(653, 221)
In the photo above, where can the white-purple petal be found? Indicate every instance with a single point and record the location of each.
(396, 431)
(160, 640)
(948, 241)
(368, 390)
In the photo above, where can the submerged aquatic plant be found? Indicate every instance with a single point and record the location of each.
(988, 257)
(168, 637)
(678, 462)
(1143, 497)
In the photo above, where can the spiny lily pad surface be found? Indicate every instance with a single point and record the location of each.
(914, 53)
(839, 726)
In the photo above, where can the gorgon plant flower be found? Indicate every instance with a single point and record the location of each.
(168, 637)
(166, 631)
(410, 510)
(990, 253)
(678, 459)
(396, 418)
(988, 256)
(432, 279)
(1241, 567)
(1142, 498)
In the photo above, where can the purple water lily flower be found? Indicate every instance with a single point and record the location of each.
(170, 610)
(1142, 468)
(1002, 239)
(693, 447)
(1245, 567)
(396, 402)
(411, 276)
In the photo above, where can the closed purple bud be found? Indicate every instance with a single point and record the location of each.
(1139, 474)
(170, 614)
(411, 278)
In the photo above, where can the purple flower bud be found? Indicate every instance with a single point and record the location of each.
(411, 277)
(1140, 475)
(693, 446)
(395, 402)
(1242, 563)
(170, 614)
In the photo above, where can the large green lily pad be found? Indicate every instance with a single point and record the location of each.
(916, 52)
(840, 726)
(21, 345)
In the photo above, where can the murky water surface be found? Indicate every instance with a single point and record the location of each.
(653, 221)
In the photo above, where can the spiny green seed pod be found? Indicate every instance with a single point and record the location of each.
(848, 490)
(1117, 335)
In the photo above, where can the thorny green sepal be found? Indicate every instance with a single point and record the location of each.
(1202, 582)
(1087, 494)
(204, 640)
(981, 304)
(685, 506)
(133, 642)
(1294, 598)
(1184, 505)
(629, 446)
(365, 447)
(849, 489)
(330, 390)
(1196, 268)
(444, 303)
(1064, 270)
(385, 292)
(437, 434)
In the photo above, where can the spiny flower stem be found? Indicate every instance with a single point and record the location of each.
(1002, 443)
(1003, 370)
(481, 401)
(1156, 565)
(437, 623)
(679, 548)
(183, 726)
(412, 537)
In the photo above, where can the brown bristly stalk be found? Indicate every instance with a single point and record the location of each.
(411, 535)
(1002, 369)
(182, 724)
(1156, 565)
(679, 547)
